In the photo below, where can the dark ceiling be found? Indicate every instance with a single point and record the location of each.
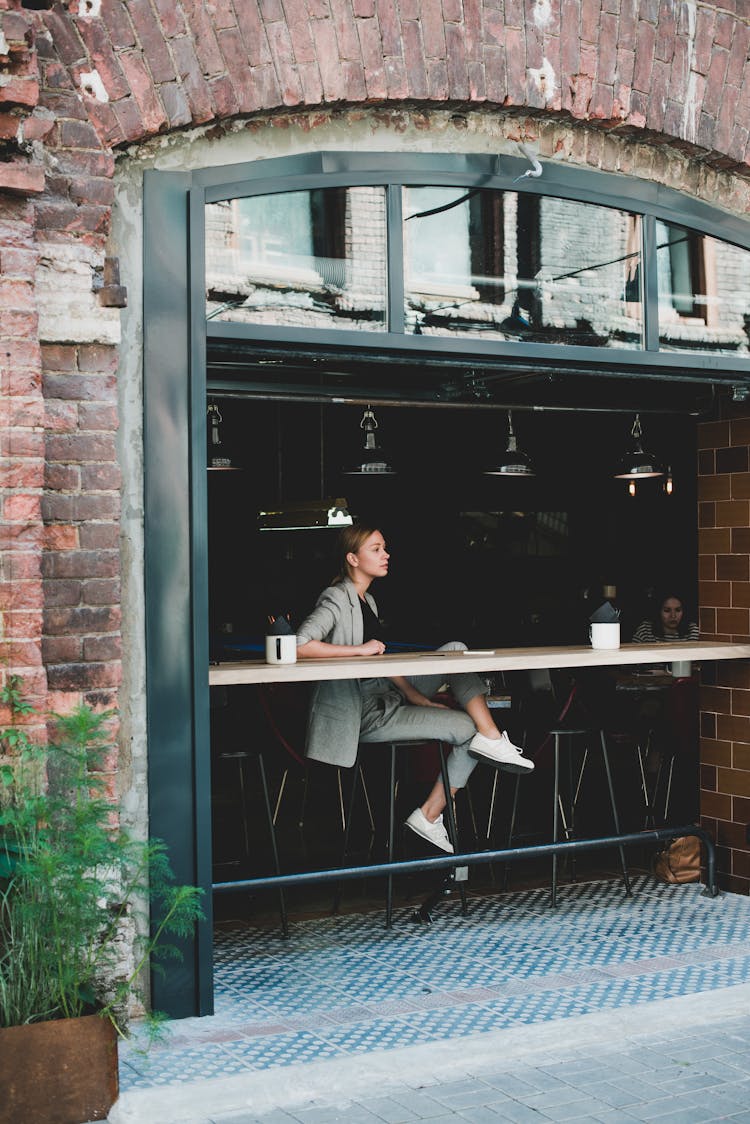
(305, 374)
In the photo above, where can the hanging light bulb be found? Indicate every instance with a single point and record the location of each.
(637, 464)
(668, 484)
(217, 455)
(514, 461)
(631, 487)
(372, 460)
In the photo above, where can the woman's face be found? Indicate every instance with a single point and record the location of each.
(371, 560)
(671, 614)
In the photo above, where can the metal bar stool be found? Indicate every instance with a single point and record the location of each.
(392, 794)
(574, 789)
(564, 811)
(241, 757)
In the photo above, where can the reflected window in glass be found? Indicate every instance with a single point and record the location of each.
(517, 266)
(298, 259)
(704, 289)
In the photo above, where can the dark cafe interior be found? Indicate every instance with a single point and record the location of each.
(495, 558)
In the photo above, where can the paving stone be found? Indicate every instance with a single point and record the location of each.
(581, 1109)
(389, 1110)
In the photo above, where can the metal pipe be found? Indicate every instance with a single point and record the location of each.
(654, 835)
(269, 394)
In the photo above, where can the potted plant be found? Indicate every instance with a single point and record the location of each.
(75, 887)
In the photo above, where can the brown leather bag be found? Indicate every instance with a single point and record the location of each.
(679, 861)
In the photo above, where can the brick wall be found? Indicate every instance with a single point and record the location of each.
(724, 586)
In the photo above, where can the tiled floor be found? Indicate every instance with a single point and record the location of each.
(344, 986)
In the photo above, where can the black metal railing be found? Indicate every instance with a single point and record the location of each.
(475, 858)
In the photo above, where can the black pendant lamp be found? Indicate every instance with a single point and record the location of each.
(514, 462)
(372, 460)
(637, 463)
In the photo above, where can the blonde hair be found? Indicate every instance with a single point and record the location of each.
(350, 542)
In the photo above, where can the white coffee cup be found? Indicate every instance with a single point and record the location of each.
(605, 634)
(682, 669)
(281, 649)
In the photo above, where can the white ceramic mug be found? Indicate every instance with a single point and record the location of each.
(281, 649)
(682, 669)
(605, 634)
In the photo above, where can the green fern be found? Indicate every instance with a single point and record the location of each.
(71, 879)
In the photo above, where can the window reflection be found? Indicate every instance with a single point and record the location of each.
(703, 292)
(477, 264)
(509, 265)
(304, 258)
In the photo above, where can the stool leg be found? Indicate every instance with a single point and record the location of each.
(649, 820)
(274, 848)
(511, 828)
(490, 818)
(347, 819)
(491, 812)
(452, 830)
(243, 799)
(615, 816)
(555, 818)
(668, 796)
(391, 829)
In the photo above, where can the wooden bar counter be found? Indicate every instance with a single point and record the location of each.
(480, 660)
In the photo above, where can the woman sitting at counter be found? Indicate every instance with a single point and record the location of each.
(344, 624)
(670, 622)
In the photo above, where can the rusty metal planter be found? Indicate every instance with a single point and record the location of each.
(58, 1072)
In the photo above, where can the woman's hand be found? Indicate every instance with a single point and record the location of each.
(371, 648)
(412, 696)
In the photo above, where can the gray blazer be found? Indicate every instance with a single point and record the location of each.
(333, 723)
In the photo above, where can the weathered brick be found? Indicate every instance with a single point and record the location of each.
(152, 41)
(58, 536)
(176, 104)
(81, 564)
(79, 388)
(195, 85)
(20, 594)
(644, 56)
(141, 84)
(104, 648)
(101, 591)
(83, 676)
(62, 477)
(62, 649)
(171, 17)
(77, 508)
(79, 448)
(69, 217)
(68, 43)
(21, 177)
(433, 31)
(58, 592)
(100, 477)
(83, 619)
(95, 536)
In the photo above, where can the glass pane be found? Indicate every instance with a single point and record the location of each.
(511, 266)
(313, 259)
(704, 289)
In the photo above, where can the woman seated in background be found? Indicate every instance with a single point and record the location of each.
(670, 622)
(344, 712)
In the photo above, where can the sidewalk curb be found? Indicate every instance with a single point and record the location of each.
(342, 1079)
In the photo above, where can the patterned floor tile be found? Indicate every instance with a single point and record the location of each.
(346, 985)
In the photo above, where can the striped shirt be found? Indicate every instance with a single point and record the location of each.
(646, 634)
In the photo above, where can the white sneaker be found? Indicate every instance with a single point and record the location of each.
(434, 833)
(500, 751)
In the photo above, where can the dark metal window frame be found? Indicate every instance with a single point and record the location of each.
(176, 336)
(394, 171)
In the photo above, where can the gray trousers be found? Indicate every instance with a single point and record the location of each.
(387, 718)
